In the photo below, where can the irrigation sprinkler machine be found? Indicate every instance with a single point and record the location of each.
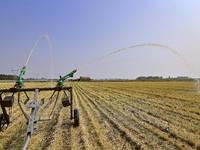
(7, 102)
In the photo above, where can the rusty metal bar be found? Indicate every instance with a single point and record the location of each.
(15, 90)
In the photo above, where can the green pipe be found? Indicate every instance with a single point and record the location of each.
(62, 79)
(19, 82)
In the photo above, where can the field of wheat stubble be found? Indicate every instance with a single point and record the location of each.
(114, 115)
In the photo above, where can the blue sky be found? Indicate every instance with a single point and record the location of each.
(81, 31)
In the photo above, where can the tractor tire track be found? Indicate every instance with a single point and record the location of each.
(89, 129)
(187, 115)
(78, 140)
(136, 144)
(154, 127)
(108, 138)
(142, 102)
(50, 129)
(149, 116)
(137, 127)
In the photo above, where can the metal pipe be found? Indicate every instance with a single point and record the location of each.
(26, 142)
(32, 120)
(35, 96)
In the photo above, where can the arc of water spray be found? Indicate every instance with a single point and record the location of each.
(50, 49)
(141, 45)
(35, 45)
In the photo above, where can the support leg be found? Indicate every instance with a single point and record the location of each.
(21, 107)
(52, 95)
(71, 106)
(26, 97)
(55, 103)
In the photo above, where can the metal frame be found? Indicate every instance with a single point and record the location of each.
(18, 90)
(34, 105)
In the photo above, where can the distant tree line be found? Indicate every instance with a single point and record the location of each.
(150, 78)
(160, 78)
(8, 77)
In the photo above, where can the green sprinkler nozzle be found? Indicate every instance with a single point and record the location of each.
(62, 79)
(19, 82)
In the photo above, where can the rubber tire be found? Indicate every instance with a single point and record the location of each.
(76, 118)
(2, 120)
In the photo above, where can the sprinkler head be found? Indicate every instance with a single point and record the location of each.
(62, 79)
(19, 82)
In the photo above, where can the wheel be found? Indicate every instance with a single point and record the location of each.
(1, 118)
(2, 122)
(76, 117)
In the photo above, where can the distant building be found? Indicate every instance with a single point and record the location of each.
(86, 78)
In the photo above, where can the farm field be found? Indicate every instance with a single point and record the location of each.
(114, 115)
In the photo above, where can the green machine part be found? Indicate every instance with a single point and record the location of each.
(19, 83)
(62, 79)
